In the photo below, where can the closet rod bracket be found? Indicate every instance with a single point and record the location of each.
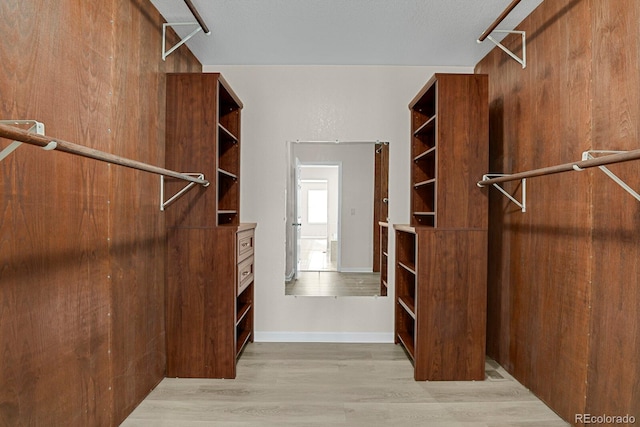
(180, 193)
(522, 205)
(522, 61)
(588, 155)
(35, 126)
(166, 52)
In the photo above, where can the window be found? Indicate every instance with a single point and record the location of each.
(317, 207)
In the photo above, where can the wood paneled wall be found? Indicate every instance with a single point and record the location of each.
(82, 244)
(564, 284)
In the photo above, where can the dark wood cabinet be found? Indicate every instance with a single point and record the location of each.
(210, 268)
(449, 151)
(203, 136)
(440, 301)
(441, 261)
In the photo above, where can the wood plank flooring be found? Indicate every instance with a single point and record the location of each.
(333, 283)
(320, 384)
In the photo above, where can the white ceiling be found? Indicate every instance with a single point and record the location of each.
(342, 32)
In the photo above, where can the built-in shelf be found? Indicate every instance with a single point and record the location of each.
(242, 312)
(227, 174)
(441, 261)
(410, 268)
(423, 183)
(431, 151)
(408, 304)
(406, 340)
(428, 125)
(211, 252)
(243, 339)
(226, 134)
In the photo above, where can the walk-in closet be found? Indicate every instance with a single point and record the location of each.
(319, 213)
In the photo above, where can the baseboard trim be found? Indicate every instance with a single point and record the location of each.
(356, 270)
(329, 337)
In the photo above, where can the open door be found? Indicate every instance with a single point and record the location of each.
(380, 198)
(318, 215)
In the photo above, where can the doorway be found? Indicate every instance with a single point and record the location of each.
(318, 213)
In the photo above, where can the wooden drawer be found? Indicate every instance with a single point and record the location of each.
(245, 244)
(245, 274)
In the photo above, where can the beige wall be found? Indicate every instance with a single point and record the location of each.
(285, 103)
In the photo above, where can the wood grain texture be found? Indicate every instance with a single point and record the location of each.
(196, 105)
(450, 304)
(440, 312)
(191, 145)
(462, 138)
(201, 302)
(614, 372)
(459, 131)
(334, 283)
(562, 280)
(203, 135)
(137, 243)
(539, 288)
(324, 384)
(54, 294)
(81, 247)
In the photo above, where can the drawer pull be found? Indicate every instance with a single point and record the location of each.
(245, 244)
(245, 273)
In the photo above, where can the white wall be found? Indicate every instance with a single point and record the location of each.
(288, 103)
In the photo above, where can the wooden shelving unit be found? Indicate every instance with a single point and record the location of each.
(228, 191)
(440, 301)
(210, 277)
(440, 270)
(449, 130)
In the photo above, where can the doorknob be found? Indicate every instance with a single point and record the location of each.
(296, 223)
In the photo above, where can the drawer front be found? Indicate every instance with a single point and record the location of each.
(245, 244)
(245, 274)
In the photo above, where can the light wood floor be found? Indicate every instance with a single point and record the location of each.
(332, 283)
(318, 384)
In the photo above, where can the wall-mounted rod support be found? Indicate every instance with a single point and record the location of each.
(200, 26)
(196, 15)
(165, 203)
(492, 28)
(17, 134)
(166, 52)
(523, 189)
(522, 61)
(498, 20)
(35, 126)
(589, 155)
(566, 167)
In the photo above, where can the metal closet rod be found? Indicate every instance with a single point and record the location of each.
(196, 15)
(22, 135)
(566, 167)
(498, 20)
